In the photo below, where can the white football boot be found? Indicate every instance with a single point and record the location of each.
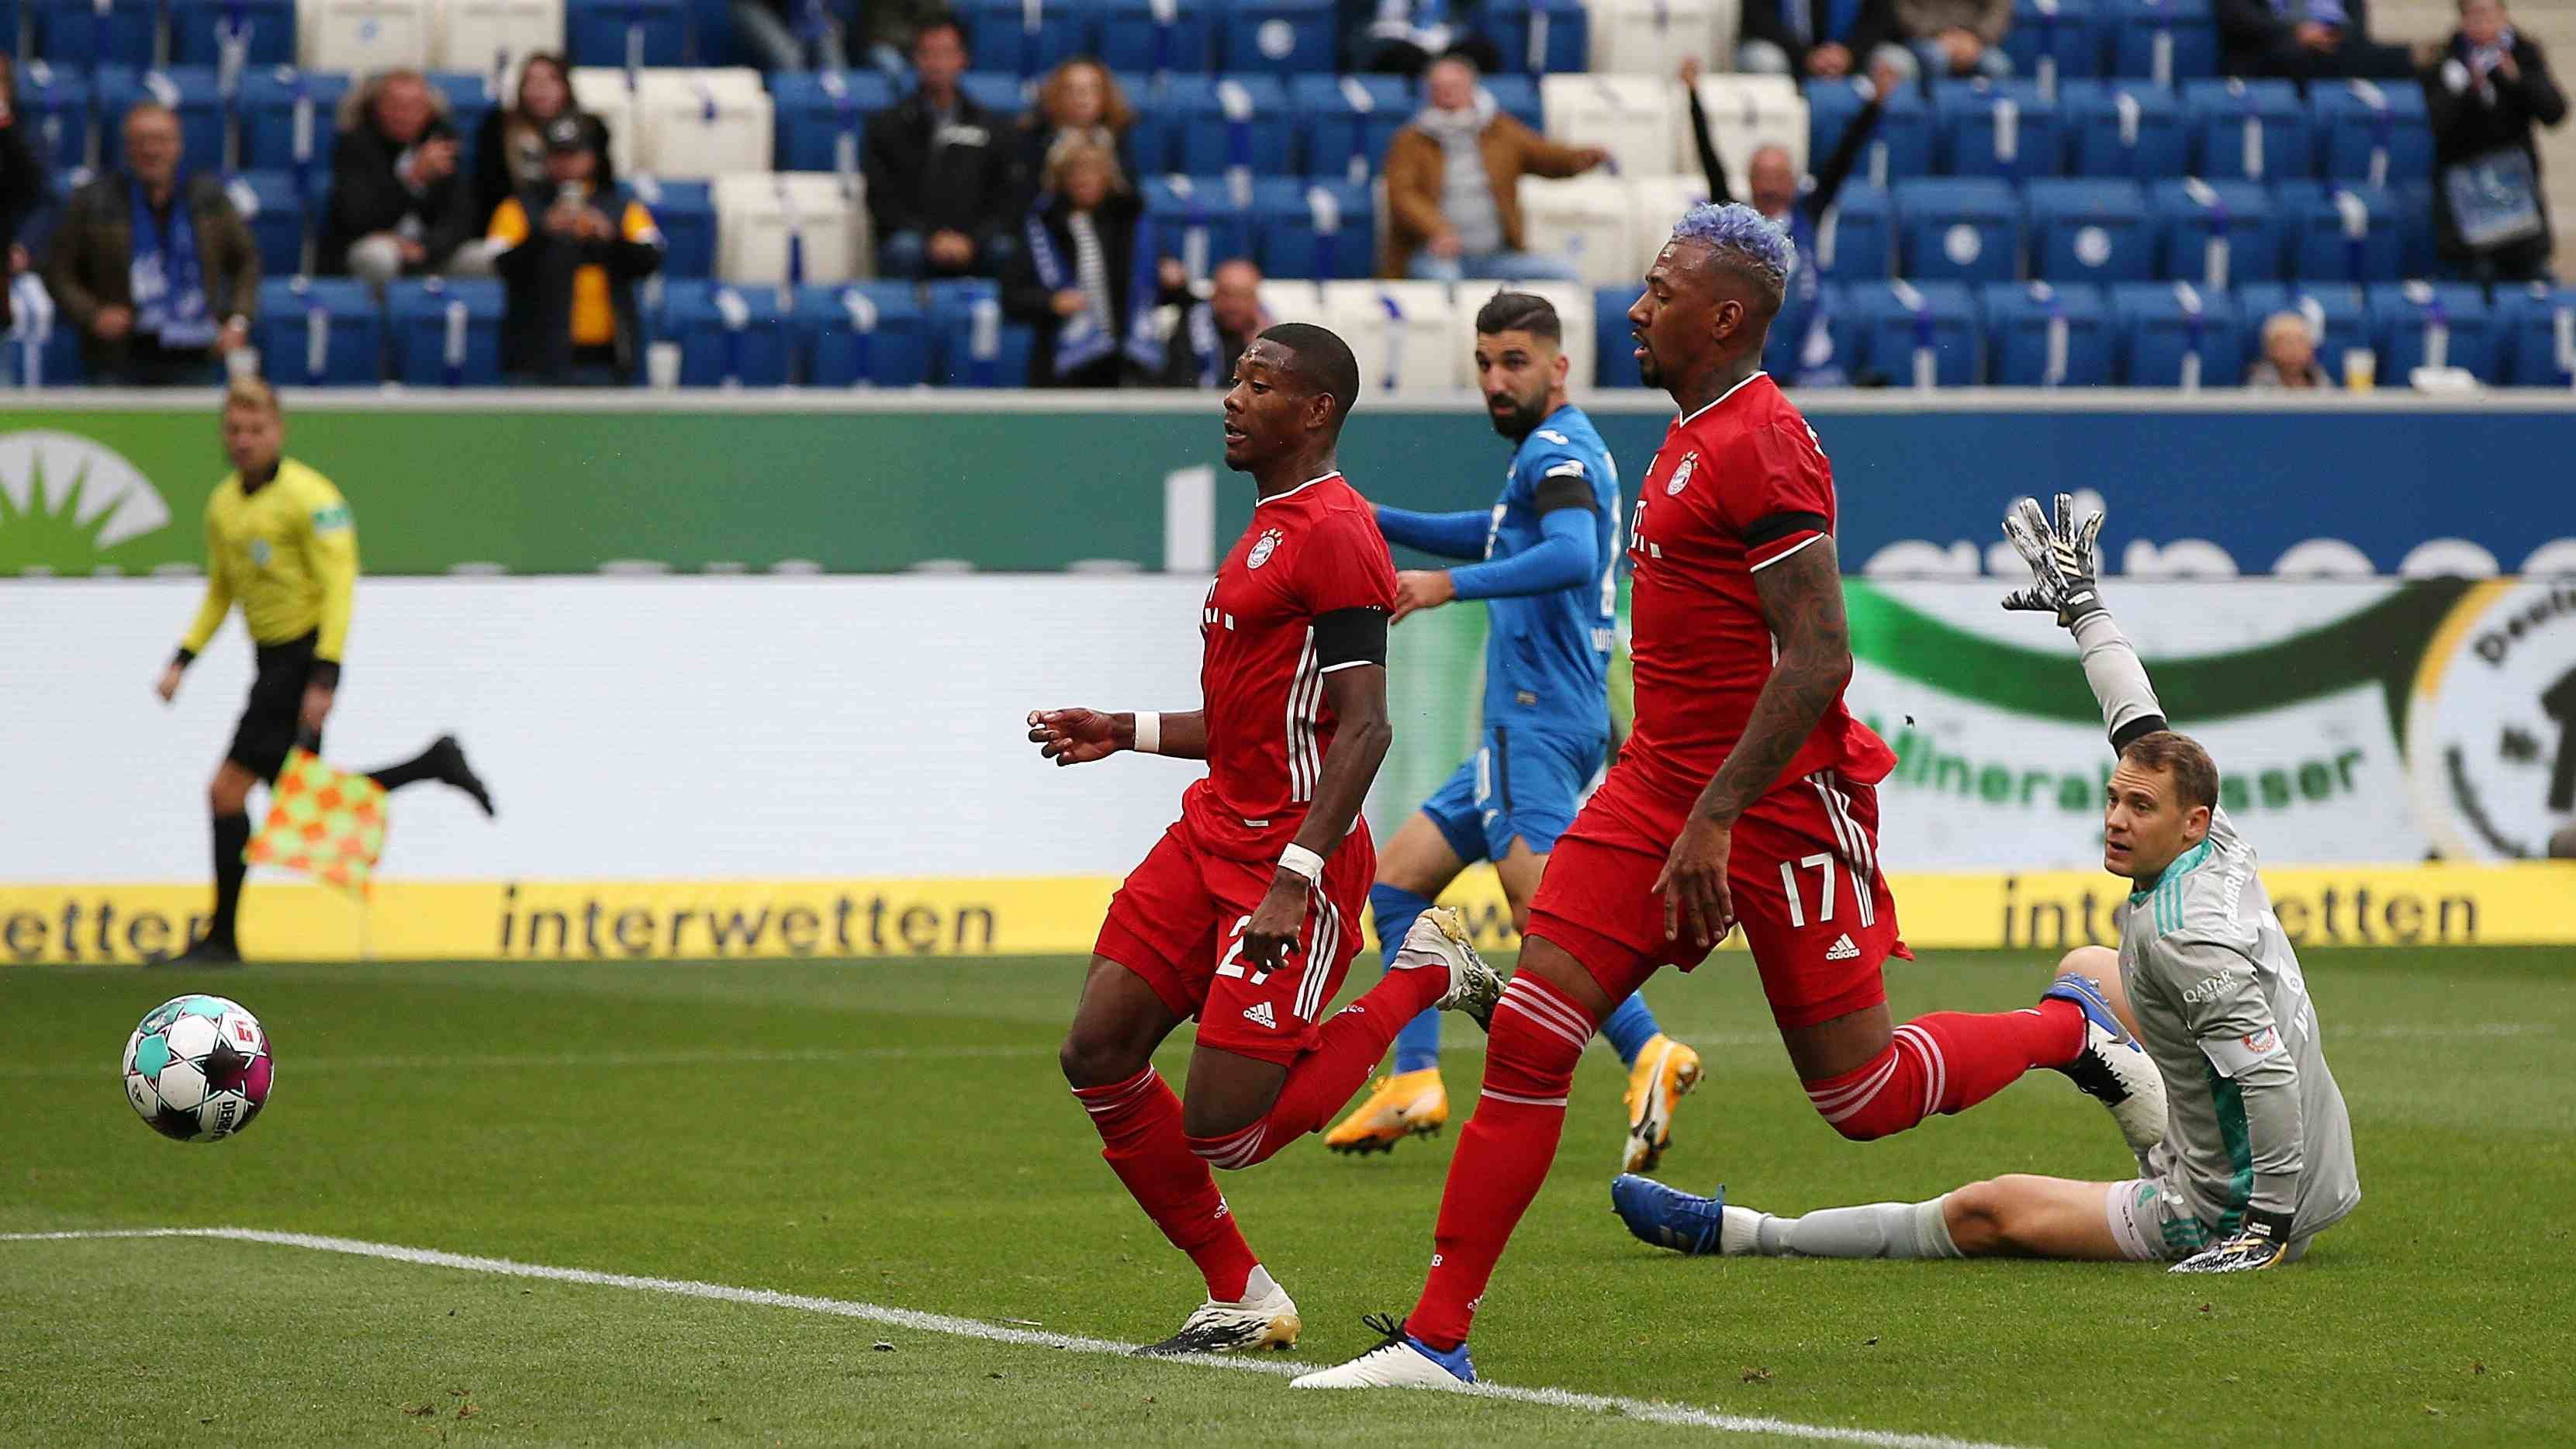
(1265, 1317)
(1439, 938)
(1401, 1362)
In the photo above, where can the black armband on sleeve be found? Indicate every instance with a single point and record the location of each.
(2145, 724)
(1350, 636)
(1780, 525)
(326, 673)
(1564, 491)
(185, 657)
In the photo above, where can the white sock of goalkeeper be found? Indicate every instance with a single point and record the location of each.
(1879, 1230)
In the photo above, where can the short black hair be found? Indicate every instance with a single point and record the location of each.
(1509, 311)
(1324, 360)
(939, 20)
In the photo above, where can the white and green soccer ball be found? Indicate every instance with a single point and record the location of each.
(198, 1068)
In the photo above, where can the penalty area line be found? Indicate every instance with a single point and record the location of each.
(1647, 1410)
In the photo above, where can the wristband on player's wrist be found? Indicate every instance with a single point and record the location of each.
(1305, 864)
(1148, 733)
(185, 657)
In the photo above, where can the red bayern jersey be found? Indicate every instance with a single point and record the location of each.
(1308, 552)
(1736, 487)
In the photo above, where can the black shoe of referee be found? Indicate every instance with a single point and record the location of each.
(449, 759)
(207, 951)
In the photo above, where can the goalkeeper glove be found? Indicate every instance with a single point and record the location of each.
(2061, 556)
(2260, 1243)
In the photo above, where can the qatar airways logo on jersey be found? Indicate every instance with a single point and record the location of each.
(1681, 475)
(1262, 548)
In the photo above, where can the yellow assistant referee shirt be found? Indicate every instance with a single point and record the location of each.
(288, 551)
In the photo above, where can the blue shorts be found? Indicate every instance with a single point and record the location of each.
(1523, 784)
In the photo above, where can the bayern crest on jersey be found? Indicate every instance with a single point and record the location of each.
(1681, 475)
(1262, 548)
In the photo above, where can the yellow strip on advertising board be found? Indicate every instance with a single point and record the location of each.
(123, 924)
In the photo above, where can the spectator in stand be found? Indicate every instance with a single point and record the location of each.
(570, 249)
(2289, 356)
(1078, 99)
(939, 169)
(1086, 275)
(1403, 37)
(1453, 184)
(401, 203)
(2305, 40)
(2487, 89)
(1213, 333)
(154, 266)
(792, 34)
(1800, 348)
(1958, 37)
(510, 149)
(23, 187)
(892, 26)
(1820, 39)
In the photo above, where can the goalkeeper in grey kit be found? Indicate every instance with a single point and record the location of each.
(2256, 1157)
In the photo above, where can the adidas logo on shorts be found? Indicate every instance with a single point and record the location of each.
(1259, 1013)
(1842, 949)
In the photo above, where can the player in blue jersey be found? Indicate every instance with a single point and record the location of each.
(1549, 551)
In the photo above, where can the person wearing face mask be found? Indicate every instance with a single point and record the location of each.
(401, 203)
(1086, 277)
(1453, 185)
(2487, 91)
(154, 266)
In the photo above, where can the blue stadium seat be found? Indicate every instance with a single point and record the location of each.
(970, 344)
(2191, 214)
(2538, 328)
(2338, 317)
(1517, 96)
(320, 332)
(1614, 350)
(1998, 128)
(1857, 241)
(1813, 349)
(1314, 228)
(1199, 219)
(861, 334)
(2039, 335)
(823, 116)
(201, 30)
(446, 333)
(1965, 229)
(2374, 133)
(2418, 252)
(1901, 146)
(686, 213)
(1896, 324)
(2341, 233)
(277, 108)
(994, 90)
(1159, 37)
(2054, 41)
(712, 36)
(276, 214)
(2091, 230)
(2165, 41)
(625, 32)
(92, 33)
(1539, 37)
(54, 101)
(1026, 37)
(1280, 37)
(1150, 142)
(2249, 130)
(2172, 333)
(471, 96)
(728, 336)
(1228, 122)
(40, 350)
(1348, 121)
(2123, 128)
(188, 89)
(2425, 324)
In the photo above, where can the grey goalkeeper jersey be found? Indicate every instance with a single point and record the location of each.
(2253, 1116)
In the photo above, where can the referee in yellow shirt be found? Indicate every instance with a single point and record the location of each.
(279, 540)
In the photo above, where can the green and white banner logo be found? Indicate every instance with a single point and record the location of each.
(2491, 725)
(66, 501)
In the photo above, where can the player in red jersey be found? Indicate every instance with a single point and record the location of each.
(1247, 913)
(1744, 797)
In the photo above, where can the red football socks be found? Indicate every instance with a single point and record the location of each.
(1347, 1048)
(1140, 1133)
(1946, 1062)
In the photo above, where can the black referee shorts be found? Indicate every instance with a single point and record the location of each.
(271, 719)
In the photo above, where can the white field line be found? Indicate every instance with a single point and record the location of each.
(1649, 1411)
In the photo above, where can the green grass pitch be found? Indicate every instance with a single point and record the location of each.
(895, 1133)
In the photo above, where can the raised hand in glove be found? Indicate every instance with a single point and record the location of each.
(2063, 565)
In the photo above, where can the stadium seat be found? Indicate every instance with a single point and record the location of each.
(1856, 238)
(1229, 123)
(1615, 347)
(1587, 219)
(1027, 37)
(686, 213)
(286, 117)
(1913, 334)
(2418, 253)
(1404, 334)
(2039, 335)
(2090, 230)
(190, 90)
(41, 348)
(1316, 228)
(1633, 117)
(2431, 324)
(276, 214)
(445, 332)
(790, 227)
(998, 91)
(2125, 128)
(713, 40)
(55, 101)
(1278, 37)
(729, 336)
(362, 37)
(1347, 122)
(494, 36)
(1202, 220)
(320, 332)
(1292, 300)
(2165, 41)
(2174, 334)
(472, 96)
(1745, 113)
(1518, 97)
(1159, 37)
(1573, 302)
(2248, 130)
(1965, 229)
(611, 93)
(1151, 142)
(1649, 37)
(1536, 37)
(970, 344)
(1997, 128)
(93, 33)
(625, 33)
(2537, 326)
(1655, 205)
(703, 123)
(2216, 233)
(2374, 134)
(823, 116)
(2340, 233)
(1900, 146)
(232, 33)
(863, 334)
(2338, 317)
(2055, 41)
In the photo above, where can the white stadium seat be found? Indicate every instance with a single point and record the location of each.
(1585, 218)
(1654, 204)
(494, 36)
(1404, 334)
(701, 124)
(1292, 301)
(609, 93)
(363, 36)
(1573, 303)
(757, 216)
(1746, 113)
(1630, 116)
(1650, 37)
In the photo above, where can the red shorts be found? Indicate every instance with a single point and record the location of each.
(1178, 921)
(1802, 869)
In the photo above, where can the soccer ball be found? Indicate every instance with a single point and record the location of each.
(198, 1068)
